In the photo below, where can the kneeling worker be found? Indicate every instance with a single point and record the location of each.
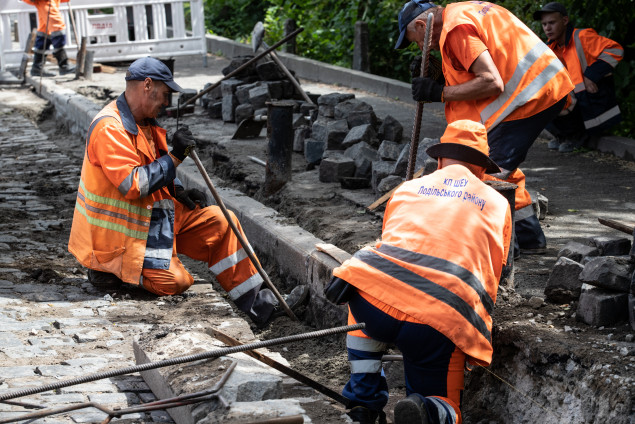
(429, 286)
(132, 214)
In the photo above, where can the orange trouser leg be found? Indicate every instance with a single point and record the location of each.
(167, 282)
(522, 198)
(205, 235)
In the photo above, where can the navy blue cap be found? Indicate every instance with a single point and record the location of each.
(410, 11)
(149, 67)
(550, 8)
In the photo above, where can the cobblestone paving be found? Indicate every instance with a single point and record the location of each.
(54, 325)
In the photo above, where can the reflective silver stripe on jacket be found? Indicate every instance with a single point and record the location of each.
(594, 122)
(528, 92)
(366, 366)
(228, 262)
(249, 284)
(144, 185)
(579, 50)
(605, 56)
(111, 213)
(364, 344)
(426, 286)
(442, 265)
(524, 213)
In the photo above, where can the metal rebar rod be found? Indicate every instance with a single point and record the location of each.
(416, 130)
(244, 65)
(180, 360)
(240, 237)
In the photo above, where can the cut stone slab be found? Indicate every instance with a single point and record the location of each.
(243, 112)
(389, 183)
(631, 310)
(360, 133)
(301, 134)
(611, 246)
(600, 307)
(364, 156)
(269, 71)
(229, 86)
(389, 150)
(242, 92)
(380, 170)
(423, 160)
(259, 96)
(251, 381)
(609, 272)
(336, 132)
(244, 412)
(390, 129)
(229, 107)
(335, 166)
(333, 99)
(564, 285)
(576, 251)
(313, 150)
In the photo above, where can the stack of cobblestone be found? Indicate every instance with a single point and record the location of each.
(599, 275)
(245, 94)
(354, 147)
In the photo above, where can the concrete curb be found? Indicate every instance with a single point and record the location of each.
(291, 247)
(621, 147)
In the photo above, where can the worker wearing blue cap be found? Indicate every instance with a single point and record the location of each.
(133, 216)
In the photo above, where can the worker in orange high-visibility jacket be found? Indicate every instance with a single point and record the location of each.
(429, 286)
(499, 73)
(590, 60)
(133, 215)
(51, 31)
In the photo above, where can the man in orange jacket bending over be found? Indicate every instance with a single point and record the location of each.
(499, 73)
(429, 286)
(132, 214)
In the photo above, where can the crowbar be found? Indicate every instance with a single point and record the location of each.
(241, 239)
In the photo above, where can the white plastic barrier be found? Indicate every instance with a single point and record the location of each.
(116, 30)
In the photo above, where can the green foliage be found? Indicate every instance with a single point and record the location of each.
(329, 27)
(233, 19)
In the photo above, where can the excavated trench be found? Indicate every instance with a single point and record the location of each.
(547, 367)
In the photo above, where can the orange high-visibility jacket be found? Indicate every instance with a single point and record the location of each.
(533, 76)
(124, 214)
(444, 242)
(581, 52)
(54, 17)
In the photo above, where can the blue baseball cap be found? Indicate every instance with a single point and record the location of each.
(149, 67)
(410, 11)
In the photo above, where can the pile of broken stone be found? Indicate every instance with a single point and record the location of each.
(337, 132)
(599, 275)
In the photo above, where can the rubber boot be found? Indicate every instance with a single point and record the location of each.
(531, 240)
(62, 62)
(37, 70)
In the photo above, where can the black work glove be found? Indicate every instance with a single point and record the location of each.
(434, 70)
(182, 142)
(191, 197)
(426, 90)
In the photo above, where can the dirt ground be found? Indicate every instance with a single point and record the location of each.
(580, 186)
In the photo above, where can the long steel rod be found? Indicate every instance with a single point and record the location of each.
(228, 340)
(244, 65)
(416, 130)
(180, 360)
(241, 239)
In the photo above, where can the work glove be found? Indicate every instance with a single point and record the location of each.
(191, 197)
(434, 71)
(182, 143)
(426, 90)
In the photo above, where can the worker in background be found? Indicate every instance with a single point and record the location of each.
(133, 215)
(499, 73)
(590, 60)
(429, 286)
(50, 31)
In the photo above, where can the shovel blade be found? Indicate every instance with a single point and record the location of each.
(249, 128)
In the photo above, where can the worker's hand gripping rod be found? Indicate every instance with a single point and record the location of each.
(241, 239)
(416, 129)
